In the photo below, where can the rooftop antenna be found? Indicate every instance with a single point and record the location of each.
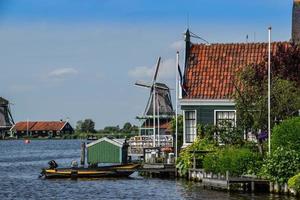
(198, 37)
(188, 20)
(254, 37)
(247, 38)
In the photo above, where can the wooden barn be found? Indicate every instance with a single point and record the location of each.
(42, 128)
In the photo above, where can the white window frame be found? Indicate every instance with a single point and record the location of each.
(184, 132)
(215, 115)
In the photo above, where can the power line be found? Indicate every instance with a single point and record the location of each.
(198, 37)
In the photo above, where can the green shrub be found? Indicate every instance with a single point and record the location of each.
(287, 134)
(236, 161)
(281, 165)
(294, 182)
(229, 134)
(185, 159)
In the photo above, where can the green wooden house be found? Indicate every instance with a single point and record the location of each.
(208, 80)
(107, 150)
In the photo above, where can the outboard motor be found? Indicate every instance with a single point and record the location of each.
(52, 164)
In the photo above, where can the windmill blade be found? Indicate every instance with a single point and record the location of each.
(141, 84)
(148, 105)
(11, 118)
(159, 86)
(156, 70)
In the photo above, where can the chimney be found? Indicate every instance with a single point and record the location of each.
(296, 22)
(188, 45)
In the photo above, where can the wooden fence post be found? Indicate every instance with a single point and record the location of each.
(227, 180)
(82, 157)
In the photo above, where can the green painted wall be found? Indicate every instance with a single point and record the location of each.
(104, 152)
(205, 114)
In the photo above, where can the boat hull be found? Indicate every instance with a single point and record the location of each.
(119, 171)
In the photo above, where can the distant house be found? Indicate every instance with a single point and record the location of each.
(209, 73)
(42, 128)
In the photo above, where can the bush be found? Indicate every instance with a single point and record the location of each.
(294, 182)
(287, 134)
(230, 135)
(185, 159)
(281, 165)
(236, 161)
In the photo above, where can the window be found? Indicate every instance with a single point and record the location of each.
(225, 117)
(190, 126)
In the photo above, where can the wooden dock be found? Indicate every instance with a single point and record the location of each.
(158, 170)
(225, 182)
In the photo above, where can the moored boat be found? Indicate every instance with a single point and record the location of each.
(115, 171)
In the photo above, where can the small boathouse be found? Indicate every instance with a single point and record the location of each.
(107, 150)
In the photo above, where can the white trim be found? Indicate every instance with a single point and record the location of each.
(107, 140)
(206, 102)
(184, 137)
(5, 126)
(64, 125)
(215, 116)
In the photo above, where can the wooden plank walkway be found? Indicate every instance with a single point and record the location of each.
(226, 182)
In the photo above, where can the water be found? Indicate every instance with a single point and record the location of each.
(20, 165)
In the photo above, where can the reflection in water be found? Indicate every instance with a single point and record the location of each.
(20, 166)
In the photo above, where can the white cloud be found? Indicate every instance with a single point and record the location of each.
(62, 73)
(166, 70)
(178, 45)
(141, 72)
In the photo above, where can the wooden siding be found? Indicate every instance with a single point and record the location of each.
(205, 114)
(104, 152)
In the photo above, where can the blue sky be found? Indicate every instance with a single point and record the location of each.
(79, 59)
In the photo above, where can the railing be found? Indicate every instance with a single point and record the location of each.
(138, 143)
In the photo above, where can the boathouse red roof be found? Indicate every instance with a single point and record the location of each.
(210, 69)
(39, 125)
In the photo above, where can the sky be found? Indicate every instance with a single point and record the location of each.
(78, 59)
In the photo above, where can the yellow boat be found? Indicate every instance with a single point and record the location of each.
(116, 171)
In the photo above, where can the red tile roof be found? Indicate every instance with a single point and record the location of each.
(211, 68)
(39, 126)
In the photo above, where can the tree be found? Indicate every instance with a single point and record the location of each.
(127, 127)
(179, 125)
(179, 129)
(78, 125)
(88, 126)
(112, 129)
(251, 102)
(251, 91)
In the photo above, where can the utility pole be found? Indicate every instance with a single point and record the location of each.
(176, 106)
(269, 91)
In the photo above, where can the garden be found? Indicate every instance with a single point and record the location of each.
(227, 147)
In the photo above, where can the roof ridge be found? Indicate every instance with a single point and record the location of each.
(42, 121)
(240, 43)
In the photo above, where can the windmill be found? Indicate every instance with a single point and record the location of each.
(159, 103)
(6, 119)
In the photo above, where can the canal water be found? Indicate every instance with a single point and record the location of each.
(20, 165)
